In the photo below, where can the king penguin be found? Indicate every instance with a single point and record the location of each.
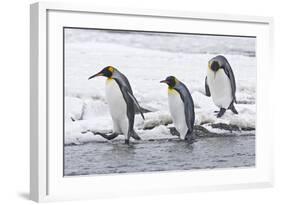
(181, 107)
(122, 104)
(220, 84)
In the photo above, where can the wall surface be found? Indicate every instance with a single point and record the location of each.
(14, 103)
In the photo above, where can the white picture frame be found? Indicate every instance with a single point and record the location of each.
(46, 179)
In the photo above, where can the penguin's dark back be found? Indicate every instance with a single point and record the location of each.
(188, 104)
(122, 79)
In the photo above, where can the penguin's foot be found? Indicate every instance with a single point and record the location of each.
(221, 112)
(86, 131)
(135, 135)
(108, 137)
(233, 109)
(174, 132)
(189, 139)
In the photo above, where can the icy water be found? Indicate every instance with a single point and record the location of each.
(160, 155)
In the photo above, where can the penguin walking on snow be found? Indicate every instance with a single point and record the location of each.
(121, 103)
(220, 84)
(181, 107)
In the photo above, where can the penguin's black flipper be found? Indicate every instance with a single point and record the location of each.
(126, 89)
(207, 89)
(136, 103)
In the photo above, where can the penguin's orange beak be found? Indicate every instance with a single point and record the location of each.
(96, 75)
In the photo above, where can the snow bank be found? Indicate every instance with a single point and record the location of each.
(97, 118)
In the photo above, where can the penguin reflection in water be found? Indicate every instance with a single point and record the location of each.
(122, 104)
(220, 84)
(181, 107)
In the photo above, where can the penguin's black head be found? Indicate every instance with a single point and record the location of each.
(214, 65)
(170, 80)
(106, 72)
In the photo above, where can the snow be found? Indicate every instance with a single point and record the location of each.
(145, 60)
(74, 108)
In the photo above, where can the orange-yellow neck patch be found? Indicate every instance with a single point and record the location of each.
(109, 80)
(172, 90)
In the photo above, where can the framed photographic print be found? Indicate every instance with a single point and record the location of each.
(129, 102)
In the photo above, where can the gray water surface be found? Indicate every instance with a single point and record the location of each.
(159, 155)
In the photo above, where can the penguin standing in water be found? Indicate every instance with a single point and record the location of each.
(181, 107)
(220, 83)
(122, 104)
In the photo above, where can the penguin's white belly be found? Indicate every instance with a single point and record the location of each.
(176, 107)
(220, 88)
(117, 107)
